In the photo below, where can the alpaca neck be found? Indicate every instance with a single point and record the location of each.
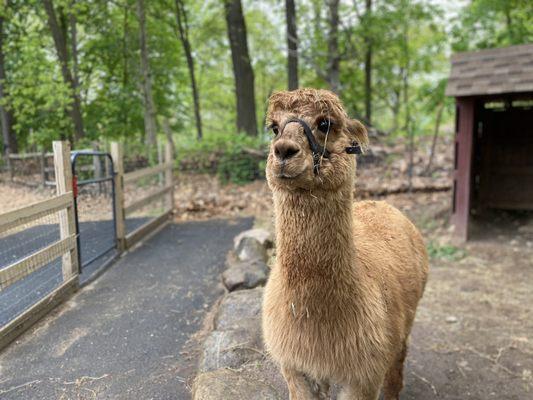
(315, 236)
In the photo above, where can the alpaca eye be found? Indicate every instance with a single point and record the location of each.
(275, 129)
(324, 125)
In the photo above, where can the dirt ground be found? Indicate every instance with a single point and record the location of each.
(473, 338)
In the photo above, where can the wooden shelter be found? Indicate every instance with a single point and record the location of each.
(494, 131)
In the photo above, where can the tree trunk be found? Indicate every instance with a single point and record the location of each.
(6, 115)
(408, 128)
(333, 47)
(292, 45)
(242, 68)
(368, 65)
(438, 118)
(125, 70)
(60, 42)
(148, 99)
(183, 26)
(74, 50)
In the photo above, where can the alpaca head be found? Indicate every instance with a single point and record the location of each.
(290, 164)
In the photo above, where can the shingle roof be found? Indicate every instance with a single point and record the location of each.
(493, 71)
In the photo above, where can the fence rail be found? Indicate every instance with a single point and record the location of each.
(32, 212)
(42, 172)
(165, 193)
(32, 262)
(63, 247)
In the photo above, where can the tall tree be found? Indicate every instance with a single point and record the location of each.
(368, 62)
(73, 29)
(60, 42)
(242, 68)
(6, 114)
(292, 45)
(333, 46)
(183, 27)
(405, 80)
(148, 98)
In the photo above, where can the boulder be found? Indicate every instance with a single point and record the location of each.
(253, 244)
(240, 310)
(231, 349)
(245, 275)
(228, 384)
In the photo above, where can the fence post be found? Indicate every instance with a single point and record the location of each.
(169, 161)
(9, 164)
(67, 223)
(117, 153)
(42, 163)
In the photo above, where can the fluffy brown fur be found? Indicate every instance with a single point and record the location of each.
(340, 301)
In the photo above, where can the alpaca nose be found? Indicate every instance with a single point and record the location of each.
(285, 149)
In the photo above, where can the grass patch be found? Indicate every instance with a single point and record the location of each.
(444, 251)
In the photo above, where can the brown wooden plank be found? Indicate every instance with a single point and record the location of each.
(20, 324)
(142, 173)
(145, 229)
(67, 222)
(31, 263)
(117, 154)
(34, 211)
(147, 200)
(462, 175)
(169, 160)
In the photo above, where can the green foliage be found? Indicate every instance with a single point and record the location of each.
(410, 39)
(444, 252)
(493, 23)
(228, 155)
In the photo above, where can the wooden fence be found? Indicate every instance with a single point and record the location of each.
(127, 240)
(66, 248)
(43, 171)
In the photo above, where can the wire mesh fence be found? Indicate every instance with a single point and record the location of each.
(138, 189)
(30, 169)
(41, 272)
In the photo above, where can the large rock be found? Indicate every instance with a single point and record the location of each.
(253, 244)
(225, 384)
(245, 275)
(240, 310)
(231, 349)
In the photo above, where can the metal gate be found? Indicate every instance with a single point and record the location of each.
(93, 177)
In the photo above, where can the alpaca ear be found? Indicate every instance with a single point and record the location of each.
(358, 132)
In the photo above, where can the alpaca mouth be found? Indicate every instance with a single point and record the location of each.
(283, 175)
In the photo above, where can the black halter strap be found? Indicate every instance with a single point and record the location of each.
(318, 150)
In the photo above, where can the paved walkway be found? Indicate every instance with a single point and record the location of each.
(125, 335)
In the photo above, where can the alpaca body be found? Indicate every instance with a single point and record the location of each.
(341, 299)
(342, 312)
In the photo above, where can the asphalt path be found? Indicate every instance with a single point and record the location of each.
(128, 334)
(95, 238)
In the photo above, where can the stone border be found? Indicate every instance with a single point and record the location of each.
(233, 363)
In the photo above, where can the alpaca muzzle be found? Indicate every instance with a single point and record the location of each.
(318, 150)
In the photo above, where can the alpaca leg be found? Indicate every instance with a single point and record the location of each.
(299, 387)
(394, 378)
(357, 392)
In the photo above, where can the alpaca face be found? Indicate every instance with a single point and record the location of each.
(290, 163)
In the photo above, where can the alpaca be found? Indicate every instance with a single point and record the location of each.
(341, 299)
